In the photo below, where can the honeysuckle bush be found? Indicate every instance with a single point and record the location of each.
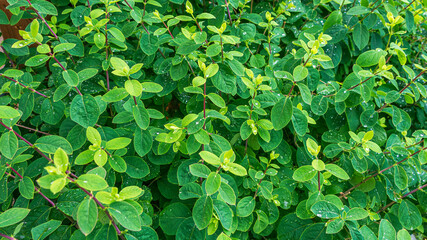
(239, 119)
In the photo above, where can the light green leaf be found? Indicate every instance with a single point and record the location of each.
(12, 216)
(87, 216)
(126, 215)
(202, 212)
(92, 182)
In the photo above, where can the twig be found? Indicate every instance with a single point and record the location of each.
(32, 146)
(32, 129)
(24, 86)
(43, 20)
(119, 233)
(7, 237)
(403, 89)
(409, 193)
(376, 174)
(406, 6)
(228, 11)
(8, 57)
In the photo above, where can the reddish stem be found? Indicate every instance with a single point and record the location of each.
(131, 8)
(259, 183)
(8, 57)
(32, 146)
(376, 174)
(24, 86)
(106, 54)
(166, 26)
(32, 129)
(35, 188)
(119, 233)
(7, 237)
(44, 21)
(250, 117)
(63, 68)
(403, 89)
(228, 11)
(409, 193)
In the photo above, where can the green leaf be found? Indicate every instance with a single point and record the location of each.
(34, 28)
(210, 158)
(357, 213)
(262, 221)
(52, 112)
(60, 159)
(126, 215)
(319, 105)
(400, 177)
(12, 216)
(36, 60)
(84, 157)
(117, 34)
(304, 173)
(300, 73)
(172, 216)
(281, 113)
(151, 87)
(245, 206)
(386, 231)
(71, 77)
(57, 185)
(115, 95)
(142, 142)
(409, 215)
(87, 215)
(92, 182)
(141, 116)
(212, 183)
(93, 136)
(299, 121)
(202, 212)
(3, 18)
(325, 209)
(26, 188)
(118, 164)
(118, 143)
(8, 144)
(403, 235)
(337, 171)
(227, 193)
(237, 169)
(334, 18)
(45, 7)
(213, 50)
(200, 170)
(133, 87)
(361, 35)
(49, 144)
(8, 112)
(84, 110)
(118, 63)
(370, 58)
(217, 100)
(87, 73)
(45, 229)
(335, 226)
(131, 192)
(100, 157)
(62, 47)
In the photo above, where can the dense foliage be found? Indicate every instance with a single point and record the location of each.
(239, 119)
